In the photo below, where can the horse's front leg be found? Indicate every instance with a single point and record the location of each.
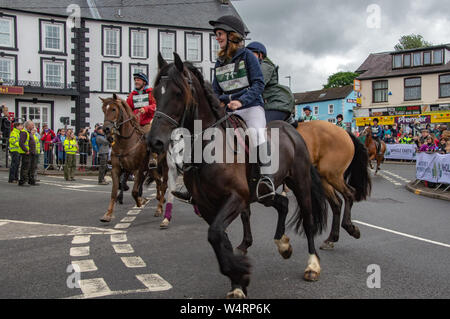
(170, 180)
(247, 239)
(237, 268)
(139, 179)
(115, 174)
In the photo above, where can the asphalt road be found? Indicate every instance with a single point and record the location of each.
(45, 229)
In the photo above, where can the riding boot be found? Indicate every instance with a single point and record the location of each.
(266, 186)
(183, 196)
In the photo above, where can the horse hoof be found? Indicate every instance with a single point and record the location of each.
(356, 233)
(311, 276)
(106, 219)
(327, 245)
(236, 294)
(240, 252)
(158, 214)
(164, 224)
(286, 254)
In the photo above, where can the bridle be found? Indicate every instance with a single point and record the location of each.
(193, 106)
(116, 125)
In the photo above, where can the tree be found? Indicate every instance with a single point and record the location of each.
(340, 79)
(412, 41)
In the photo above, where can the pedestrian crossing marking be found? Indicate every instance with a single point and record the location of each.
(122, 225)
(79, 251)
(123, 249)
(154, 282)
(134, 212)
(81, 239)
(118, 238)
(127, 219)
(133, 262)
(96, 287)
(85, 265)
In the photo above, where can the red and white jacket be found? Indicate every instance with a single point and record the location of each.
(145, 100)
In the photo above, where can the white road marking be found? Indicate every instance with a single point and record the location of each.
(154, 282)
(127, 219)
(134, 212)
(123, 249)
(81, 186)
(85, 265)
(81, 239)
(133, 262)
(403, 234)
(96, 287)
(122, 226)
(398, 176)
(118, 238)
(79, 251)
(390, 179)
(3, 223)
(84, 190)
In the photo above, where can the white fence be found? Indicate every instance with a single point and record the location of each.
(433, 168)
(400, 151)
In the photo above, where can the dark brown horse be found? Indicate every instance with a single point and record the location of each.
(342, 162)
(372, 149)
(223, 190)
(129, 152)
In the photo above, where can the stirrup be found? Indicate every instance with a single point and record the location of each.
(183, 197)
(269, 183)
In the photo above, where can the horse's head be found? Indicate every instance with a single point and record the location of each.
(173, 95)
(113, 115)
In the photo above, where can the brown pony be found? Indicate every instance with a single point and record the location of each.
(372, 149)
(129, 153)
(342, 162)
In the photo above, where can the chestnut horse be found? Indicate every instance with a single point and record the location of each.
(129, 153)
(342, 162)
(372, 149)
(222, 191)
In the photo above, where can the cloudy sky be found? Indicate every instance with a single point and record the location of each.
(312, 39)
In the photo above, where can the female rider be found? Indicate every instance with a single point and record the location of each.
(239, 84)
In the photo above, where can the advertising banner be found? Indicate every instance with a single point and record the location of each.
(400, 151)
(434, 168)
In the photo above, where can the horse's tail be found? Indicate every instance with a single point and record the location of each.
(357, 175)
(319, 206)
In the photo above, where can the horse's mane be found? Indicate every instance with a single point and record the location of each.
(127, 109)
(171, 71)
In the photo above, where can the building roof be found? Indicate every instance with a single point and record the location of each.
(323, 95)
(192, 14)
(379, 65)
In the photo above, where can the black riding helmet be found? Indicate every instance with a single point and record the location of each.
(229, 23)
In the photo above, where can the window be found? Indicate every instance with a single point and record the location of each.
(437, 57)
(380, 91)
(7, 31)
(36, 112)
(333, 121)
(215, 48)
(193, 42)
(413, 89)
(397, 61)
(53, 37)
(315, 110)
(111, 38)
(330, 109)
(167, 40)
(53, 74)
(417, 58)
(111, 77)
(407, 60)
(138, 44)
(136, 68)
(7, 70)
(427, 58)
(211, 74)
(444, 85)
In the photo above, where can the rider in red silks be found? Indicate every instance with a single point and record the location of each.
(141, 101)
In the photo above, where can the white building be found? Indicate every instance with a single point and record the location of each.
(63, 70)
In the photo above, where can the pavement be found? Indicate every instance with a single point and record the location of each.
(52, 245)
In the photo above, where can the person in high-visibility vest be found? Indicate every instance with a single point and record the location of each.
(71, 148)
(35, 158)
(14, 151)
(27, 148)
